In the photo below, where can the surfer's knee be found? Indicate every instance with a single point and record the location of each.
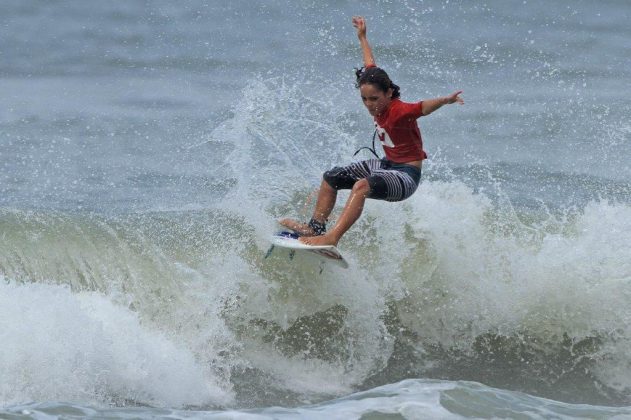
(338, 178)
(330, 177)
(362, 187)
(327, 186)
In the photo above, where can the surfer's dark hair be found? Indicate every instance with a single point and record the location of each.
(378, 77)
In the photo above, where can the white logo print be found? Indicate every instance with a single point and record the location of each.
(384, 138)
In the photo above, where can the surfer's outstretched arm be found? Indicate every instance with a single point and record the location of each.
(360, 24)
(431, 105)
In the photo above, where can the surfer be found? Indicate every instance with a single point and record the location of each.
(393, 178)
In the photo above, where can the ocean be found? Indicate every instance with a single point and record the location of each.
(147, 149)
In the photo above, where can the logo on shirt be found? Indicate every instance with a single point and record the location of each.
(384, 138)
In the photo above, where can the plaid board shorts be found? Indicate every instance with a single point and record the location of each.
(388, 180)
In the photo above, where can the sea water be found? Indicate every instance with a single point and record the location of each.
(147, 149)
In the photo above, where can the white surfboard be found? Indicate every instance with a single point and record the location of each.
(328, 253)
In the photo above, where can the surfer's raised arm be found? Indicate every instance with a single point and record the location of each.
(360, 24)
(431, 105)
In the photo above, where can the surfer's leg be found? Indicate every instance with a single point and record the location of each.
(326, 201)
(395, 184)
(352, 210)
(341, 178)
(338, 178)
(317, 225)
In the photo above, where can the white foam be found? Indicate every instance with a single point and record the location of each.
(486, 271)
(64, 346)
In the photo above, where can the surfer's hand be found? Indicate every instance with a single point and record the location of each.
(360, 24)
(454, 97)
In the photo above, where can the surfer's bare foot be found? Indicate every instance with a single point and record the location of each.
(327, 239)
(302, 229)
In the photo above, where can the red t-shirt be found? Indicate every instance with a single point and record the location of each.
(398, 131)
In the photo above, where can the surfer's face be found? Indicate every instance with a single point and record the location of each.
(375, 100)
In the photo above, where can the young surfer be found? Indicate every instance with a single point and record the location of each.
(393, 178)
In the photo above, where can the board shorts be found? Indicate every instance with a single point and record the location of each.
(388, 180)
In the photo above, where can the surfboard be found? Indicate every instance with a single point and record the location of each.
(289, 240)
